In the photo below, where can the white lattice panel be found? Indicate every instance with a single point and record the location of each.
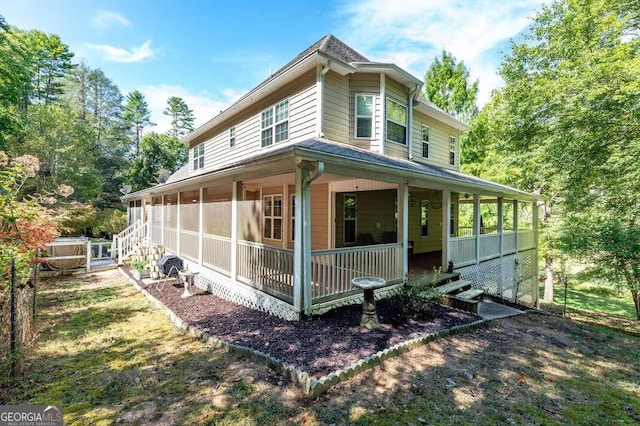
(224, 288)
(513, 277)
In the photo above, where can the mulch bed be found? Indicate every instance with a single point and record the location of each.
(319, 345)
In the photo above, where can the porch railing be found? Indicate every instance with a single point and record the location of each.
(267, 268)
(332, 270)
(216, 253)
(463, 249)
(189, 245)
(130, 238)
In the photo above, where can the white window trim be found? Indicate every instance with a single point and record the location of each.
(198, 157)
(272, 216)
(356, 116)
(405, 125)
(428, 141)
(274, 123)
(232, 137)
(453, 142)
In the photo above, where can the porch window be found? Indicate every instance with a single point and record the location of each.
(275, 123)
(364, 116)
(232, 137)
(350, 213)
(293, 218)
(198, 156)
(452, 150)
(426, 135)
(272, 213)
(424, 218)
(396, 114)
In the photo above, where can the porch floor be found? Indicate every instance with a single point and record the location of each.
(421, 263)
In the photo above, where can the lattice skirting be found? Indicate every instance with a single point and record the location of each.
(513, 278)
(382, 293)
(223, 287)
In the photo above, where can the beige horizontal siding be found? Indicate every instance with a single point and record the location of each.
(438, 144)
(336, 107)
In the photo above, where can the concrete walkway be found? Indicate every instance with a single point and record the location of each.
(491, 310)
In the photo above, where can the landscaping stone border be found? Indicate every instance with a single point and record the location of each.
(311, 386)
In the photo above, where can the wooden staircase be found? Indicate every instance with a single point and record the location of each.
(457, 293)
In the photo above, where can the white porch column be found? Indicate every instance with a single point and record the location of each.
(536, 218)
(476, 224)
(403, 226)
(162, 222)
(500, 225)
(446, 232)
(178, 203)
(515, 222)
(298, 247)
(235, 186)
(200, 226)
(306, 172)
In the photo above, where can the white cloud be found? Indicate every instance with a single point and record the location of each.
(204, 106)
(413, 32)
(118, 54)
(105, 19)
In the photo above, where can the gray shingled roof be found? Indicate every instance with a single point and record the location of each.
(329, 45)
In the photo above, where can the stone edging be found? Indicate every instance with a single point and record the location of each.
(311, 386)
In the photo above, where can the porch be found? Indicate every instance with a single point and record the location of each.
(299, 230)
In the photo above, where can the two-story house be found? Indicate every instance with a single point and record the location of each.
(335, 167)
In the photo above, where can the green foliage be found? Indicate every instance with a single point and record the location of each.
(182, 117)
(136, 116)
(419, 294)
(447, 85)
(77, 218)
(565, 124)
(110, 221)
(157, 152)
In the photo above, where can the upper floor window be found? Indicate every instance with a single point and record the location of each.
(426, 136)
(232, 137)
(198, 156)
(272, 215)
(364, 116)
(275, 123)
(452, 150)
(396, 121)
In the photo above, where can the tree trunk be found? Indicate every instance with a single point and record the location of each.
(636, 300)
(548, 280)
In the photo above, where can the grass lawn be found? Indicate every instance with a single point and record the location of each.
(109, 357)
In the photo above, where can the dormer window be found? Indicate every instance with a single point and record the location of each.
(426, 135)
(452, 150)
(275, 123)
(198, 156)
(396, 121)
(364, 116)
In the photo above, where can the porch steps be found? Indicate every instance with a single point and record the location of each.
(470, 294)
(453, 286)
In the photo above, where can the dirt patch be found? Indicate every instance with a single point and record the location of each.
(319, 345)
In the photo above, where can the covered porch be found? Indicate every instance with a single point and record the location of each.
(299, 227)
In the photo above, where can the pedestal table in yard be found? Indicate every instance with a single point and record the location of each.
(368, 285)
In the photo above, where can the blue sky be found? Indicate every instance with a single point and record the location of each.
(211, 52)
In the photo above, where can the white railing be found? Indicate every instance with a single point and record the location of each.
(170, 239)
(463, 251)
(130, 238)
(464, 231)
(267, 268)
(332, 270)
(508, 242)
(189, 245)
(526, 240)
(489, 246)
(216, 252)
